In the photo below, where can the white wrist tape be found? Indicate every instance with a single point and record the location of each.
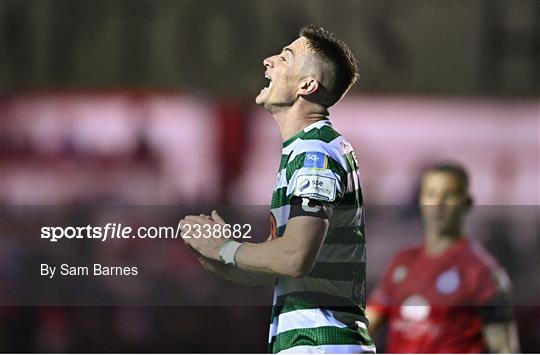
(228, 251)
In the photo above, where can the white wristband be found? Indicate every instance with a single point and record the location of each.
(228, 251)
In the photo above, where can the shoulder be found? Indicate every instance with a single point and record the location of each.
(323, 143)
(476, 256)
(480, 264)
(324, 133)
(485, 276)
(317, 140)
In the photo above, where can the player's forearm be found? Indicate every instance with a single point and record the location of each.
(244, 277)
(233, 274)
(271, 258)
(292, 255)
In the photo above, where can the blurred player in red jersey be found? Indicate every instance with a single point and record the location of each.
(447, 295)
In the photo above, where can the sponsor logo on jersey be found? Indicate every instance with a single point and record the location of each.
(415, 308)
(315, 186)
(304, 185)
(316, 161)
(399, 274)
(448, 282)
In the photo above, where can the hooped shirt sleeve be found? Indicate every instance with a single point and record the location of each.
(317, 181)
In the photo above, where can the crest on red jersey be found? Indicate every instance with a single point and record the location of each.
(448, 282)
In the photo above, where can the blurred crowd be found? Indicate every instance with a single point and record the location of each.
(156, 156)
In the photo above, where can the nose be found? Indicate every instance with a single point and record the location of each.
(268, 62)
(433, 200)
(439, 200)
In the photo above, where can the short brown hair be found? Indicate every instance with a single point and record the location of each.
(335, 52)
(453, 169)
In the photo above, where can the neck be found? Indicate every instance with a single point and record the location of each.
(293, 119)
(437, 243)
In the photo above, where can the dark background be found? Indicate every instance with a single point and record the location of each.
(447, 47)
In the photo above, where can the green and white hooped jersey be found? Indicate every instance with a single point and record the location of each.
(323, 311)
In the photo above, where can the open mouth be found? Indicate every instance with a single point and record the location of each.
(269, 81)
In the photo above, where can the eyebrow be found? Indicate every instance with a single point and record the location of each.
(288, 49)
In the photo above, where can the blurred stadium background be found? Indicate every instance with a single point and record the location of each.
(150, 103)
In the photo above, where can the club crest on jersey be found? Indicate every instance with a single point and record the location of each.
(448, 282)
(316, 161)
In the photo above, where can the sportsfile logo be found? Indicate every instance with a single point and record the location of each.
(109, 231)
(120, 231)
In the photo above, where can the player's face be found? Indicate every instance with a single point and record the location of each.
(284, 70)
(443, 202)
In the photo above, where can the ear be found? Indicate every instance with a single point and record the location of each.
(308, 86)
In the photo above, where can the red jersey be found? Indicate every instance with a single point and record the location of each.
(432, 303)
